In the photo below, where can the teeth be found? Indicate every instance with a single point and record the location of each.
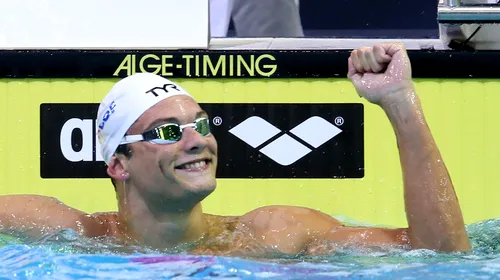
(195, 165)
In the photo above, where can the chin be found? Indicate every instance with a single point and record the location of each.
(198, 184)
(201, 187)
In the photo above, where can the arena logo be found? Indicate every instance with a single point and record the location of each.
(85, 151)
(254, 140)
(289, 146)
(68, 141)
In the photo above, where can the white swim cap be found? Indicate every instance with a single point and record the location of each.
(125, 103)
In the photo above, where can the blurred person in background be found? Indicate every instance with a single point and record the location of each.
(256, 18)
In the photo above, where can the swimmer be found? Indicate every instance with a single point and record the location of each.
(162, 159)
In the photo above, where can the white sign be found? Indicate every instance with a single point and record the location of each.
(104, 24)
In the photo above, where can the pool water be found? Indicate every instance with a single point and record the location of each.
(65, 255)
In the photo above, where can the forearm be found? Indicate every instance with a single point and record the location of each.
(33, 215)
(433, 211)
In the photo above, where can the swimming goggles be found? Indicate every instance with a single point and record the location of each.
(169, 133)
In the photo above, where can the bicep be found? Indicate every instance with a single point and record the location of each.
(33, 215)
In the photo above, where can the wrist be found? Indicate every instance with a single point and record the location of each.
(404, 110)
(401, 95)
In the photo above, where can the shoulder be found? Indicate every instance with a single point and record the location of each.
(41, 214)
(268, 215)
(280, 220)
(105, 217)
(103, 224)
(288, 229)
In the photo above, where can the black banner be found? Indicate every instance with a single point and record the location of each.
(255, 140)
(231, 64)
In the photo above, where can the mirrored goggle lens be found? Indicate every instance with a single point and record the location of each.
(169, 132)
(173, 132)
(202, 126)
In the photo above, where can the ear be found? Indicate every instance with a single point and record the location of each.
(117, 169)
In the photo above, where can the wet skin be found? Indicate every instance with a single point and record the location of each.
(160, 187)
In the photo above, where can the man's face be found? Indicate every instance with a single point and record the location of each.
(179, 172)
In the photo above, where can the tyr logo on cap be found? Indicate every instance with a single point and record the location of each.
(165, 89)
(107, 114)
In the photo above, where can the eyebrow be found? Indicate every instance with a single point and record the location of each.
(160, 121)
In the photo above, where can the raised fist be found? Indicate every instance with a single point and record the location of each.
(380, 71)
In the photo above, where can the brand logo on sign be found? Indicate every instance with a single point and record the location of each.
(83, 151)
(285, 150)
(288, 140)
(255, 140)
(76, 154)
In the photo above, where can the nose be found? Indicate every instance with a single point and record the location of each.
(192, 141)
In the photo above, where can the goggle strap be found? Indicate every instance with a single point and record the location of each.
(131, 139)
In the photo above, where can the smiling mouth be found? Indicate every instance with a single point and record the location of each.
(194, 165)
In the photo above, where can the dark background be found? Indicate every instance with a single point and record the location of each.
(369, 18)
(344, 153)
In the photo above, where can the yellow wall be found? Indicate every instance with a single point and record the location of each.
(462, 114)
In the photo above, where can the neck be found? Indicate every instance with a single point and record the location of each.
(159, 227)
